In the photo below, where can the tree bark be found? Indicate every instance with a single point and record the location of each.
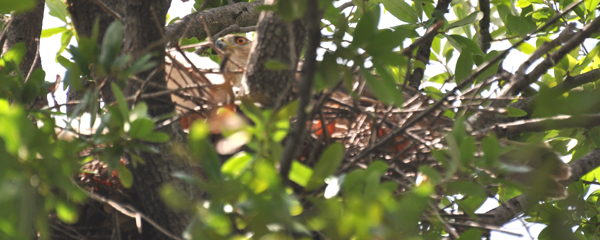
(279, 41)
(424, 50)
(27, 27)
(84, 14)
(144, 26)
(217, 19)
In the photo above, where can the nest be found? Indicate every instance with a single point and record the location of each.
(358, 120)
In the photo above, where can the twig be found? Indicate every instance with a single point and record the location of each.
(511, 209)
(486, 227)
(345, 5)
(6, 27)
(440, 102)
(430, 34)
(35, 59)
(445, 223)
(138, 93)
(591, 182)
(109, 10)
(518, 83)
(129, 211)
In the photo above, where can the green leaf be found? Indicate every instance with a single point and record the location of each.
(366, 28)
(432, 175)
(328, 163)
(67, 212)
(467, 150)
(300, 173)
(140, 111)
(520, 25)
(64, 61)
(49, 32)
(291, 10)
(121, 103)
(7, 6)
(590, 5)
(14, 54)
(65, 39)
(471, 234)
(111, 45)
(401, 10)
(491, 150)
(276, 65)
(464, 66)
(203, 152)
(156, 137)
(142, 64)
(385, 87)
(522, 3)
(440, 78)
(34, 87)
(237, 164)
(125, 176)
(515, 112)
(174, 198)
(491, 71)
(433, 92)
(472, 18)
(141, 128)
(289, 110)
(461, 43)
(58, 9)
(254, 113)
(328, 72)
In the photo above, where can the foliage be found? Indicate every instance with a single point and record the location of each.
(245, 195)
(39, 162)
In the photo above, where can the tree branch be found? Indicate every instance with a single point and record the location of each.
(573, 82)
(279, 41)
(484, 26)
(27, 27)
(515, 206)
(483, 67)
(296, 136)
(540, 125)
(218, 19)
(518, 83)
(425, 49)
(144, 25)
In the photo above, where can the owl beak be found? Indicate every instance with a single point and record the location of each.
(220, 44)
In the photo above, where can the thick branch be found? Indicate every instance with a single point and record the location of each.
(542, 124)
(27, 27)
(517, 85)
(573, 82)
(278, 41)
(515, 206)
(485, 38)
(143, 27)
(308, 73)
(469, 80)
(84, 14)
(527, 104)
(218, 19)
(425, 49)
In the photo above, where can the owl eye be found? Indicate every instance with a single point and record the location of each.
(240, 41)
